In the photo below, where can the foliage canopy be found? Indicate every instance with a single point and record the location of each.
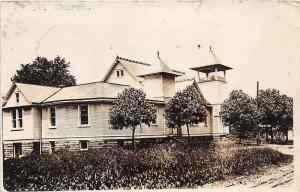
(185, 108)
(45, 72)
(130, 109)
(240, 113)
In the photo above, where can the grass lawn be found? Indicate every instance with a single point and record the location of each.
(168, 165)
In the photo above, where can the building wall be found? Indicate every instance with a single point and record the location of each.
(67, 124)
(213, 91)
(153, 86)
(168, 85)
(11, 101)
(26, 132)
(127, 79)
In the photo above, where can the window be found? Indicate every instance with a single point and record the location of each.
(20, 119)
(120, 73)
(14, 118)
(84, 115)
(52, 117)
(17, 97)
(83, 145)
(52, 146)
(17, 149)
(154, 122)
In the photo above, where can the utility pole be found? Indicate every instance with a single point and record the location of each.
(258, 128)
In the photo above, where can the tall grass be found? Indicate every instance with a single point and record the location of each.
(155, 167)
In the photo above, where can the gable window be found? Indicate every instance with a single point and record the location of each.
(84, 114)
(17, 149)
(83, 145)
(14, 118)
(52, 117)
(154, 122)
(120, 72)
(17, 97)
(20, 118)
(52, 146)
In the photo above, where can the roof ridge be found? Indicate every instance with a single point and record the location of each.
(133, 61)
(83, 84)
(36, 85)
(114, 83)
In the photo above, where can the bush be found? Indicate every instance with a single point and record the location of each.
(158, 166)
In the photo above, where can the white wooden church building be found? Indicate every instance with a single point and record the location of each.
(44, 119)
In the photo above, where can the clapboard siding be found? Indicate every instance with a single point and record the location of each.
(27, 130)
(67, 124)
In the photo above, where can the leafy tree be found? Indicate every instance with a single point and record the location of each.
(130, 109)
(185, 108)
(276, 112)
(240, 113)
(45, 72)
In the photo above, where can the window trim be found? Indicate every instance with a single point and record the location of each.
(17, 96)
(120, 73)
(80, 145)
(79, 116)
(14, 120)
(14, 150)
(50, 146)
(49, 117)
(20, 109)
(17, 119)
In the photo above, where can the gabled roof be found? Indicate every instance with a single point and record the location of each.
(133, 67)
(32, 93)
(182, 84)
(87, 91)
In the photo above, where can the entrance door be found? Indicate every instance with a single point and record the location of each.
(17, 150)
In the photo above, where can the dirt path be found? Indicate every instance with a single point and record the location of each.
(275, 176)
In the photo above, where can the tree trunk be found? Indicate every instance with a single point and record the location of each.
(240, 139)
(258, 138)
(272, 137)
(133, 130)
(287, 136)
(188, 131)
(179, 131)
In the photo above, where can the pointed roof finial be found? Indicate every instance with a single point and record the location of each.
(158, 55)
(216, 59)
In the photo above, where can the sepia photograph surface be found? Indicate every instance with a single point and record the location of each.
(109, 95)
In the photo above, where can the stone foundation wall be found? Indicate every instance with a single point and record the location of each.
(8, 149)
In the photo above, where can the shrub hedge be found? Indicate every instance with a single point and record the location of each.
(159, 166)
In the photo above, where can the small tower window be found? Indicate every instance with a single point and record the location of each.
(17, 97)
(120, 73)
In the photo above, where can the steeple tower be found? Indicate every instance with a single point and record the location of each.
(160, 81)
(213, 87)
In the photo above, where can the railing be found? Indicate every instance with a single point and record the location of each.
(212, 78)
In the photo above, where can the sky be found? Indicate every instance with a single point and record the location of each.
(258, 39)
